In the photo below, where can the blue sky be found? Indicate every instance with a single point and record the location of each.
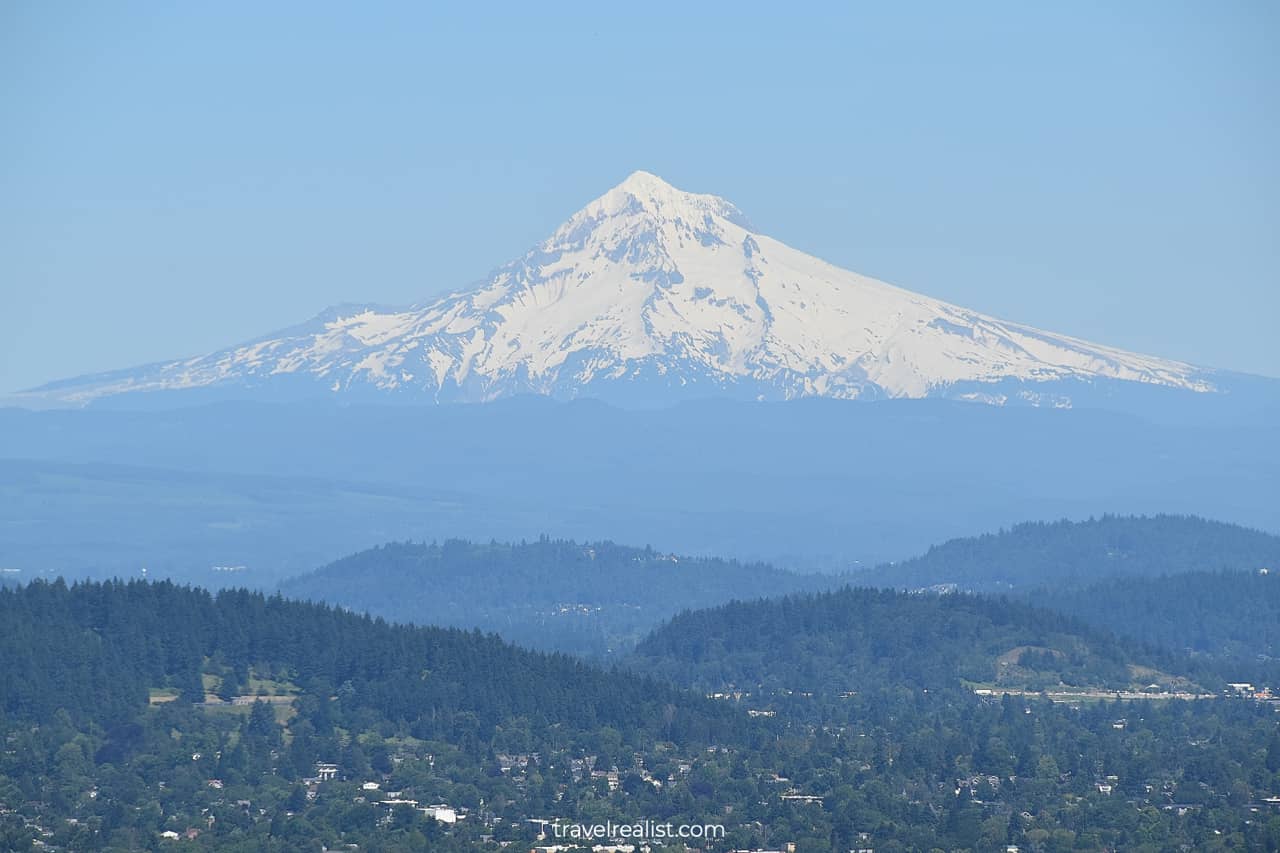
(179, 177)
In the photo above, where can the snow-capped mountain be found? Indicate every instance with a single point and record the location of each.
(651, 292)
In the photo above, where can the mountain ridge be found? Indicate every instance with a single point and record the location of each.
(652, 292)
(590, 598)
(1072, 554)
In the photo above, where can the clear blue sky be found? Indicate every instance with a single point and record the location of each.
(176, 177)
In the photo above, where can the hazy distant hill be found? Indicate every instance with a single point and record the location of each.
(591, 598)
(1066, 553)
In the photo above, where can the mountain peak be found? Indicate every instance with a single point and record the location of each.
(652, 290)
(645, 192)
(641, 182)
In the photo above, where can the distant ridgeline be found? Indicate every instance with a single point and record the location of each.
(589, 599)
(1127, 575)
(1179, 583)
(1067, 553)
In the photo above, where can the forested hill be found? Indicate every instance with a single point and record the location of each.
(1066, 553)
(550, 594)
(1234, 616)
(865, 639)
(401, 739)
(129, 716)
(97, 651)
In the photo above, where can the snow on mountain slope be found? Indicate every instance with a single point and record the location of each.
(651, 287)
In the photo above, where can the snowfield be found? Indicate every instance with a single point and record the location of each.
(649, 286)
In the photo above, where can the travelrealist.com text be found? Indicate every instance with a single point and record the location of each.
(642, 829)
